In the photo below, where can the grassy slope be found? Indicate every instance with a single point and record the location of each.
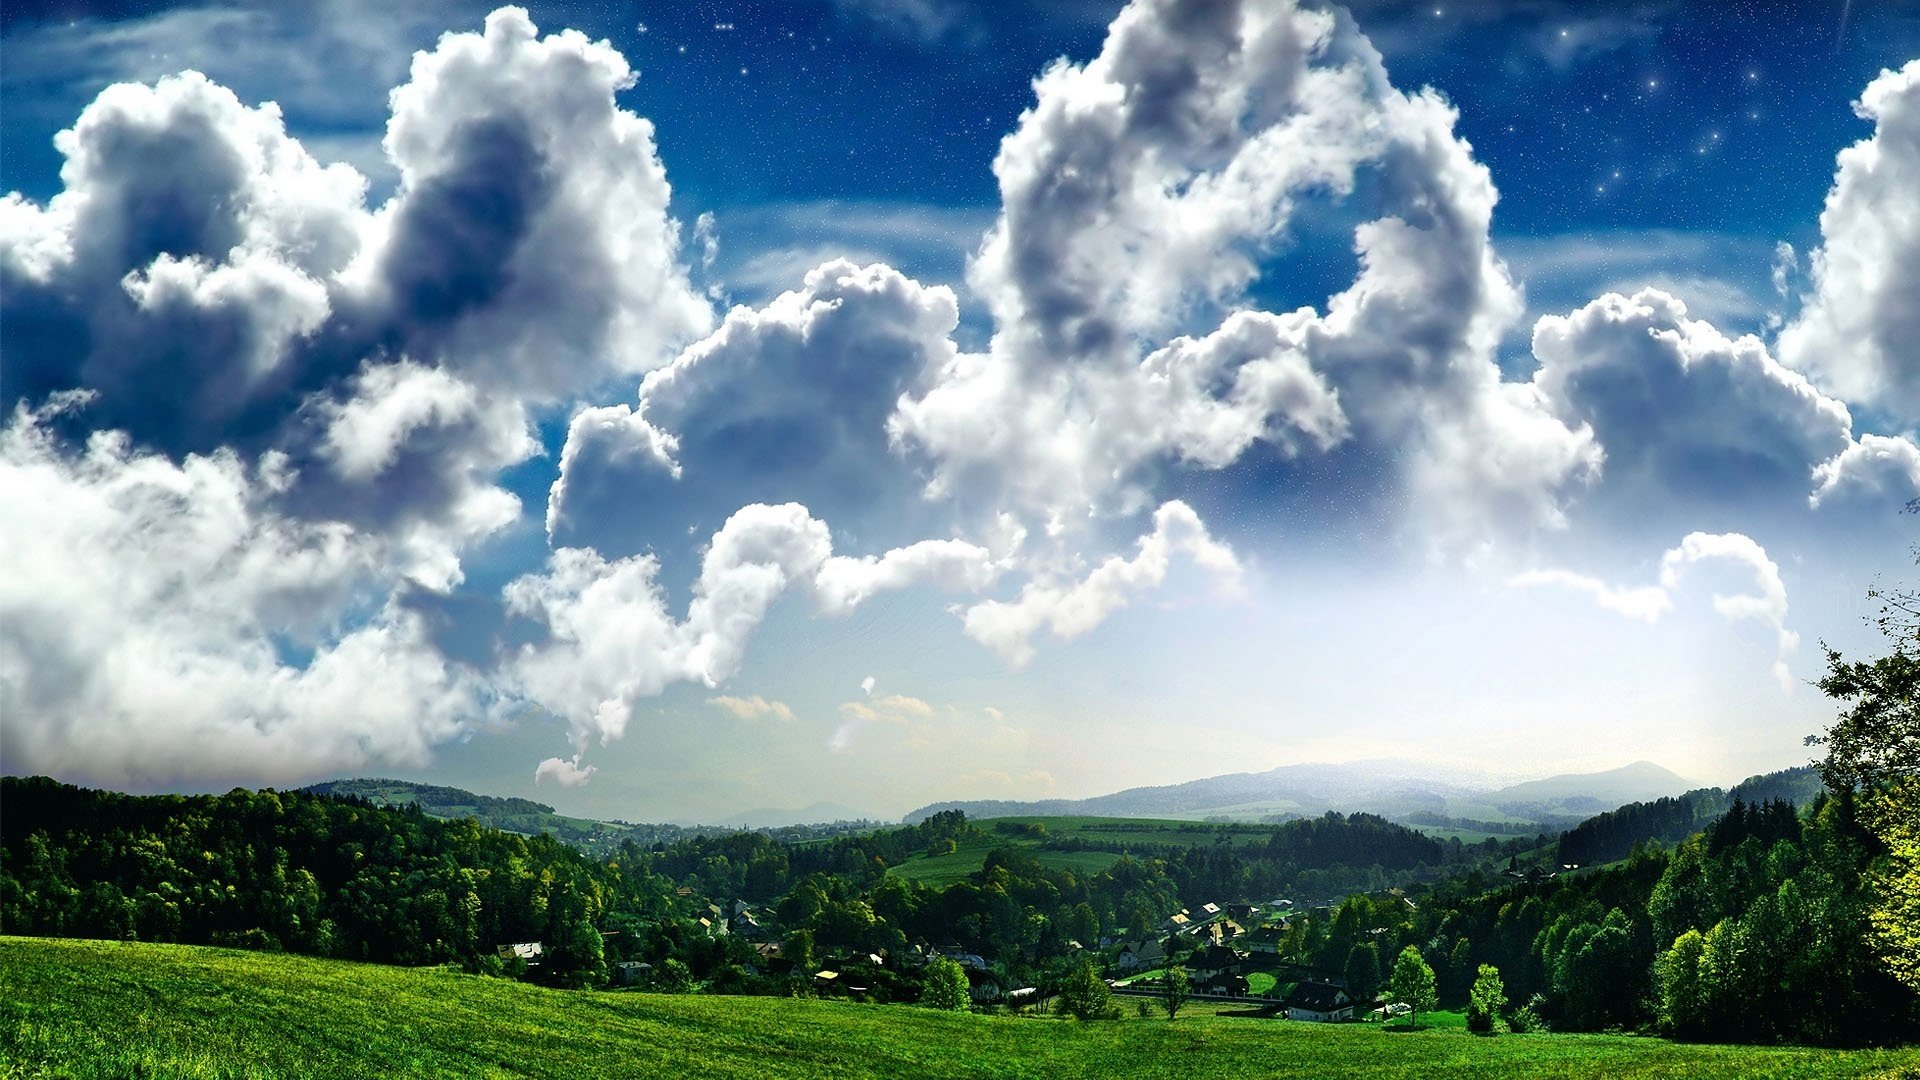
(82, 1008)
(942, 870)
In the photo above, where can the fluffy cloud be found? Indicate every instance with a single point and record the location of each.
(1140, 193)
(279, 416)
(529, 244)
(205, 275)
(177, 663)
(567, 772)
(1857, 332)
(1069, 610)
(785, 402)
(180, 272)
(610, 640)
(1766, 605)
(1690, 416)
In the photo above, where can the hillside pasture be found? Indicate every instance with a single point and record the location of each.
(110, 1009)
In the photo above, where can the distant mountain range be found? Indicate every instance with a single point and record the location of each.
(1388, 788)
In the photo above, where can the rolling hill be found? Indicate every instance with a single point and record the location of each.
(109, 1009)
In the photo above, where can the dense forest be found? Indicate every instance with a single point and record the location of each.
(1754, 930)
(338, 876)
(1613, 835)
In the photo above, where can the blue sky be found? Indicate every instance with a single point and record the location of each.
(1131, 396)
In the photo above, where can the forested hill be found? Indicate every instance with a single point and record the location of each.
(1612, 835)
(600, 838)
(434, 799)
(340, 877)
(513, 815)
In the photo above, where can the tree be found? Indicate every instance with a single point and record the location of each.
(1459, 969)
(1173, 990)
(1412, 982)
(1896, 919)
(1084, 996)
(1676, 981)
(1486, 1001)
(797, 950)
(1874, 748)
(1363, 972)
(673, 976)
(945, 986)
(1876, 739)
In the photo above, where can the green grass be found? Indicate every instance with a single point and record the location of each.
(1158, 831)
(943, 870)
(98, 1009)
(966, 858)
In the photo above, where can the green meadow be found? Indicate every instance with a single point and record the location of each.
(111, 1009)
(1033, 833)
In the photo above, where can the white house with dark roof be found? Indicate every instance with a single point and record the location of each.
(1319, 1002)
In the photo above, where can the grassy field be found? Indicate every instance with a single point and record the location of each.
(98, 1009)
(942, 870)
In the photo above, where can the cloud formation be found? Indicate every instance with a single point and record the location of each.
(1690, 417)
(179, 662)
(610, 641)
(285, 417)
(1071, 609)
(1856, 334)
(751, 708)
(280, 416)
(1141, 193)
(1766, 605)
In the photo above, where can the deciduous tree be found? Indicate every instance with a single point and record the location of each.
(1412, 982)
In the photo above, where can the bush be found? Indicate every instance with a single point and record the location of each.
(945, 986)
(1485, 1001)
(1085, 996)
(1527, 1017)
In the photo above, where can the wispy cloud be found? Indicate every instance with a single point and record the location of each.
(751, 708)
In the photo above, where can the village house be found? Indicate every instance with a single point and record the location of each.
(529, 951)
(1214, 961)
(1140, 955)
(982, 987)
(970, 961)
(1319, 1002)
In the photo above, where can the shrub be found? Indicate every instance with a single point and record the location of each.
(945, 986)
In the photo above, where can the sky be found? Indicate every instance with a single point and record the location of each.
(669, 409)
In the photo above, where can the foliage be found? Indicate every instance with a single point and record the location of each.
(1876, 739)
(1486, 1001)
(1874, 748)
(1412, 982)
(1363, 971)
(1174, 987)
(1896, 919)
(672, 976)
(1613, 835)
(1084, 996)
(1526, 1018)
(945, 985)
